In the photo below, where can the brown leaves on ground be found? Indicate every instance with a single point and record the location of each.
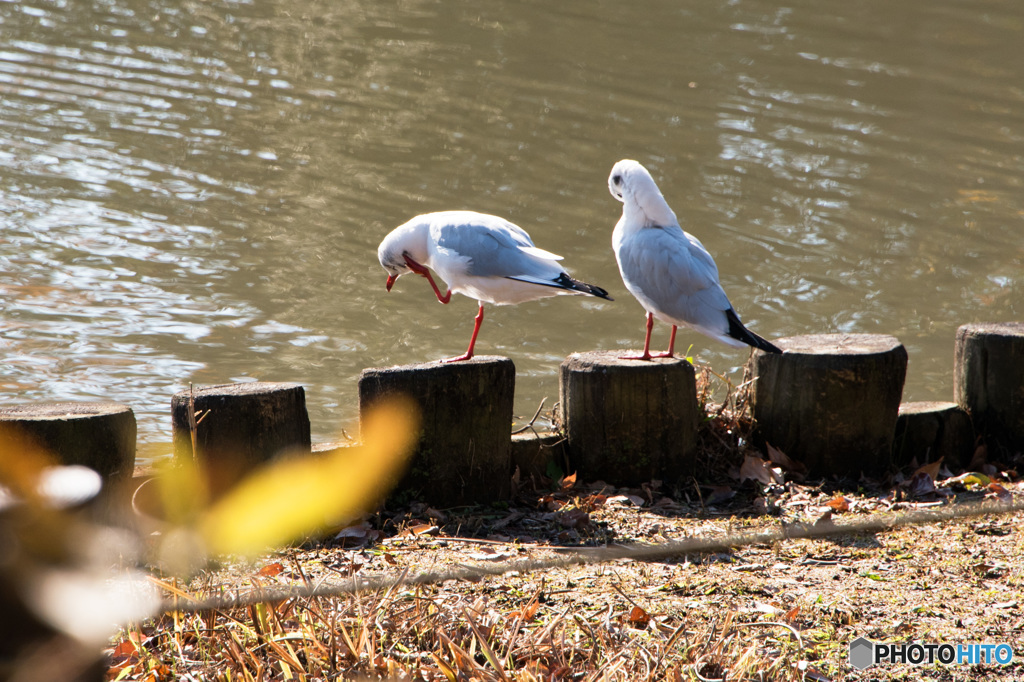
(783, 612)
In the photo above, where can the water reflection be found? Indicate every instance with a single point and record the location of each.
(195, 192)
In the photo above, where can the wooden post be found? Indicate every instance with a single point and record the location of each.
(831, 400)
(930, 430)
(629, 421)
(242, 426)
(989, 382)
(100, 436)
(466, 417)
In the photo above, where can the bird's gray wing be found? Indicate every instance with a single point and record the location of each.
(492, 247)
(677, 276)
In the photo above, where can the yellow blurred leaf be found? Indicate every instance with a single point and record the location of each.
(291, 498)
(22, 461)
(182, 491)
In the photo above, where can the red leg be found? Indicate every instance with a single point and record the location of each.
(671, 346)
(420, 270)
(472, 340)
(647, 342)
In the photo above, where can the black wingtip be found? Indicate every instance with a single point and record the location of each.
(568, 282)
(741, 333)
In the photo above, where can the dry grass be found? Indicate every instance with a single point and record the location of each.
(782, 612)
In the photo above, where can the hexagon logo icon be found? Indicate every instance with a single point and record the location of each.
(862, 653)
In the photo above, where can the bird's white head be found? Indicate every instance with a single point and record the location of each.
(393, 263)
(403, 243)
(630, 183)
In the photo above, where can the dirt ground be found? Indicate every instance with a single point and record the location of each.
(785, 611)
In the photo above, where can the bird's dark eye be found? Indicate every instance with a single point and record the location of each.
(617, 179)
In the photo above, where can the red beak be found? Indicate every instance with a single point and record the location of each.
(391, 281)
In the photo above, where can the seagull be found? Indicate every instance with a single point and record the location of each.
(481, 256)
(668, 270)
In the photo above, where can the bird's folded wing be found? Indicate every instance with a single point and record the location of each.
(497, 249)
(675, 273)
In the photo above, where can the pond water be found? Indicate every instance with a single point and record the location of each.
(194, 191)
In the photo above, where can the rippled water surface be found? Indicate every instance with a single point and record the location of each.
(194, 191)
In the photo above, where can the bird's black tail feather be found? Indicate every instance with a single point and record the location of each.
(567, 282)
(741, 333)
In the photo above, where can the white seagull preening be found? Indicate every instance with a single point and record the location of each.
(481, 256)
(669, 270)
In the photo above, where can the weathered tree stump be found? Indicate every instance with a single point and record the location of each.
(831, 400)
(100, 436)
(538, 456)
(466, 423)
(930, 430)
(629, 421)
(244, 425)
(989, 381)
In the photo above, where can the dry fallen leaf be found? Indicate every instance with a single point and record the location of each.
(574, 518)
(999, 491)
(423, 529)
(783, 460)
(526, 613)
(568, 482)
(639, 618)
(759, 470)
(719, 494)
(270, 570)
(932, 469)
(980, 457)
(921, 485)
(838, 504)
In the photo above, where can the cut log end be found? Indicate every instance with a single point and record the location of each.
(620, 358)
(434, 364)
(996, 328)
(837, 344)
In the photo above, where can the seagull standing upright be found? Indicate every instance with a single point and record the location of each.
(668, 270)
(481, 256)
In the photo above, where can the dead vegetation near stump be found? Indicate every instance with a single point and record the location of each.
(785, 611)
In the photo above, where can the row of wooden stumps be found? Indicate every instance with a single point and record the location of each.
(831, 402)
